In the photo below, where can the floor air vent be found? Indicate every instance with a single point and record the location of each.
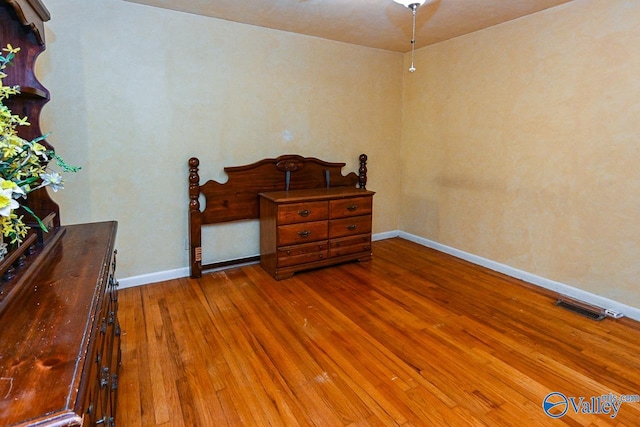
(584, 309)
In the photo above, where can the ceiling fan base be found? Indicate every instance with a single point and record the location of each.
(411, 4)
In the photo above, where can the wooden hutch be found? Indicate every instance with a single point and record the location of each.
(59, 332)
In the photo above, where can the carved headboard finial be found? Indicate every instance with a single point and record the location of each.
(194, 184)
(362, 172)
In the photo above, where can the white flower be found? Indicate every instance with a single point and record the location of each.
(7, 203)
(6, 184)
(54, 180)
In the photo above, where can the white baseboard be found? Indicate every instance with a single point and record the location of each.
(385, 235)
(161, 276)
(560, 288)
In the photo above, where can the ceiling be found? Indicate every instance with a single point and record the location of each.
(379, 24)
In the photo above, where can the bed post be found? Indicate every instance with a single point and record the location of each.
(195, 220)
(362, 177)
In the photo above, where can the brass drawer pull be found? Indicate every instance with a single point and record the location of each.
(352, 227)
(305, 233)
(352, 208)
(304, 212)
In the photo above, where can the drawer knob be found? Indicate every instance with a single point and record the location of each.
(352, 208)
(352, 227)
(304, 212)
(305, 233)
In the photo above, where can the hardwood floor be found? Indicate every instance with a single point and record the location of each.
(413, 337)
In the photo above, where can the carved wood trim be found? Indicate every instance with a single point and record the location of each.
(32, 13)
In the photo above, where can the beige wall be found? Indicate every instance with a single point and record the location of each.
(518, 142)
(520, 145)
(138, 90)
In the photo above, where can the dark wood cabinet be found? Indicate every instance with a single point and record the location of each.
(59, 331)
(304, 229)
(22, 25)
(60, 336)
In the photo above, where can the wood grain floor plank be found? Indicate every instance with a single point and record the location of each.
(321, 346)
(414, 337)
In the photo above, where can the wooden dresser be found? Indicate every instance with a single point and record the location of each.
(305, 229)
(59, 334)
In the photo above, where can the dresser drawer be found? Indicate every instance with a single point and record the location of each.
(302, 212)
(354, 206)
(301, 233)
(349, 226)
(301, 254)
(350, 245)
(311, 228)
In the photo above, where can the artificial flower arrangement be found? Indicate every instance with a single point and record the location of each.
(24, 166)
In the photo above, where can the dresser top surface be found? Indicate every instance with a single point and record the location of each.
(45, 331)
(315, 194)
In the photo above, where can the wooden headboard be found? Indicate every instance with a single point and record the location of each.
(238, 199)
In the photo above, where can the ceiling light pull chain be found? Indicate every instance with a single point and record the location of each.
(414, 7)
